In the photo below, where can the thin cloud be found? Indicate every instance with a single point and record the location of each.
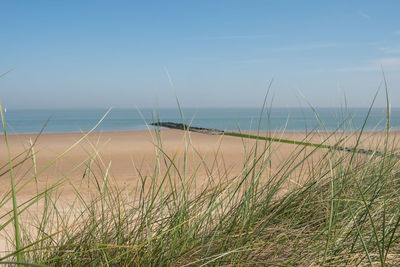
(229, 37)
(364, 15)
(390, 61)
(225, 61)
(396, 32)
(301, 47)
(390, 49)
(368, 67)
(203, 59)
(247, 61)
(388, 64)
(377, 43)
(233, 37)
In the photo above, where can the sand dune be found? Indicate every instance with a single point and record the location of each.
(131, 157)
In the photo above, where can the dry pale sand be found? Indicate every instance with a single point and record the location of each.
(132, 154)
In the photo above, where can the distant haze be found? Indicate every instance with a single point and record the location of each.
(95, 54)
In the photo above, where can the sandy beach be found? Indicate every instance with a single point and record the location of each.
(128, 158)
(131, 155)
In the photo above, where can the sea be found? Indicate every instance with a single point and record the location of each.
(20, 121)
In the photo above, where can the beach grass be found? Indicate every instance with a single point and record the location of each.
(344, 210)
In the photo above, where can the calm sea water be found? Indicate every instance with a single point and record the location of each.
(279, 119)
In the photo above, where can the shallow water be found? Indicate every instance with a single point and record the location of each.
(283, 119)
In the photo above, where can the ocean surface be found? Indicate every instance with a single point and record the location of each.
(276, 119)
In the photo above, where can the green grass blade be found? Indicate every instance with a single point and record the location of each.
(17, 232)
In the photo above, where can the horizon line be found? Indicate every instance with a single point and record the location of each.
(188, 107)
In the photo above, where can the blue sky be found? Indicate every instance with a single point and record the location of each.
(86, 54)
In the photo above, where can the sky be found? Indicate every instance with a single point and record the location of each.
(209, 53)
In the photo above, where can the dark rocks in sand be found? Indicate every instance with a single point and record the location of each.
(181, 126)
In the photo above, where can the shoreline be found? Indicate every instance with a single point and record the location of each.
(395, 131)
